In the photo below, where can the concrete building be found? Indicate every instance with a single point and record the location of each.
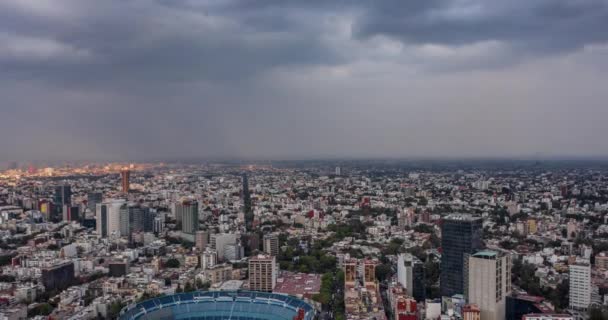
(411, 275)
(135, 218)
(488, 283)
(125, 176)
(93, 198)
(580, 286)
(218, 273)
(218, 242)
(108, 218)
(188, 211)
(262, 273)
(208, 259)
(271, 244)
(202, 239)
(601, 261)
(471, 312)
(58, 277)
(233, 252)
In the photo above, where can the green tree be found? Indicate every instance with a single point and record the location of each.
(115, 308)
(383, 271)
(43, 309)
(172, 263)
(189, 287)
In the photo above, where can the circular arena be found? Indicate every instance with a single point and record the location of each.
(220, 305)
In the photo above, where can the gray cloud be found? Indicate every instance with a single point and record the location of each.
(530, 26)
(139, 79)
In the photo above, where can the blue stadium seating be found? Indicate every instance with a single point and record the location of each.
(217, 305)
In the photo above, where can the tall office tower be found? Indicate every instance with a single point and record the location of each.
(93, 198)
(187, 209)
(271, 244)
(338, 171)
(247, 204)
(411, 275)
(71, 213)
(488, 278)
(580, 285)
(108, 218)
(125, 175)
(62, 197)
(262, 273)
(460, 235)
(202, 239)
(135, 218)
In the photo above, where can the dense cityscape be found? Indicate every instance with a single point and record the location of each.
(305, 240)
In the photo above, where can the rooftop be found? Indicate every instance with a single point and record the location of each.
(486, 254)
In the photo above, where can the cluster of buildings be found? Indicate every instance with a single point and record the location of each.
(413, 243)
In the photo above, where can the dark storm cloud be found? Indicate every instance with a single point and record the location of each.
(95, 41)
(100, 41)
(115, 79)
(535, 26)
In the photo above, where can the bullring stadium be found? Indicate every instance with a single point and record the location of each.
(220, 305)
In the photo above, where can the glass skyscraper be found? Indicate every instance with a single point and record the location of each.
(460, 236)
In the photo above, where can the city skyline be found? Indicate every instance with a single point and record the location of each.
(292, 80)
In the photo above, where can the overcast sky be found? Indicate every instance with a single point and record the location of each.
(161, 79)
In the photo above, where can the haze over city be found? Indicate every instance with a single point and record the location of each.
(121, 80)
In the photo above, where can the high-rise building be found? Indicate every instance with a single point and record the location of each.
(187, 209)
(202, 239)
(71, 213)
(411, 275)
(62, 197)
(135, 218)
(247, 204)
(338, 171)
(580, 285)
(108, 218)
(125, 175)
(262, 273)
(460, 235)
(488, 281)
(271, 244)
(93, 198)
